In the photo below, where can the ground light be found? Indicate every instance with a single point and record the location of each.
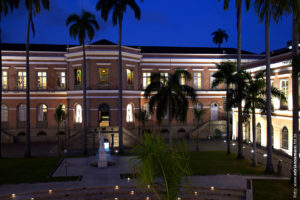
(132, 192)
(147, 198)
(50, 191)
(212, 188)
(116, 187)
(13, 195)
(195, 193)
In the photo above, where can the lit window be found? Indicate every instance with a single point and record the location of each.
(285, 138)
(4, 80)
(197, 80)
(284, 88)
(129, 77)
(21, 81)
(146, 79)
(42, 113)
(129, 113)
(164, 78)
(42, 80)
(61, 80)
(22, 113)
(78, 114)
(4, 113)
(103, 76)
(182, 79)
(78, 80)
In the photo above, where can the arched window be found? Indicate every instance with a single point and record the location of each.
(103, 115)
(4, 113)
(146, 107)
(22, 113)
(78, 114)
(129, 113)
(214, 112)
(258, 133)
(42, 113)
(285, 138)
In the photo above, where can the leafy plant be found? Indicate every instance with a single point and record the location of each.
(162, 166)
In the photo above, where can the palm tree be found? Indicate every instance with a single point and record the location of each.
(198, 113)
(293, 6)
(219, 36)
(82, 26)
(225, 74)
(267, 9)
(170, 97)
(118, 8)
(59, 116)
(161, 166)
(5, 5)
(33, 7)
(239, 57)
(255, 98)
(142, 116)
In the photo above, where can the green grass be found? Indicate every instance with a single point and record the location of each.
(29, 170)
(218, 162)
(273, 189)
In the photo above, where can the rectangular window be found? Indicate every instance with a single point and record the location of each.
(164, 78)
(197, 80)
(103, 76)
(4, 80)
(42, 80)
(284, 88)
(78, 79)
(212, 80)
(146, 79)
(61, 80)
(182, 79)
(129, 77)
(21, 80)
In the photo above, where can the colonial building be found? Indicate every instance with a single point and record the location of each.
(281, 78)
(56, 78)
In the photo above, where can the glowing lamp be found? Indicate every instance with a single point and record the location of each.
(195, 193)
(132, 192)
(13, 195)
(116, 187)
(212, 188)
(50, 191)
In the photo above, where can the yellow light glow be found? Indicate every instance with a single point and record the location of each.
(147, 198)
(132, 192)
(116, 187)
(116, 198)
(128, 179)
(148, 186)
(212, 188)
(50, 191)
(178, 198)
(13, 195)
(195, 193)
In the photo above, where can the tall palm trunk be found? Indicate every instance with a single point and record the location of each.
(227, 123)
(269, 166)
(0, 92)
(254, 161)
(120, 89)
(295, 165)
(84, 103)
(170, 125)
(239, 58)
(28, 145)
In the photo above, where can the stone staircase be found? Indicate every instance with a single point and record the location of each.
(7, 137)
(128, 192)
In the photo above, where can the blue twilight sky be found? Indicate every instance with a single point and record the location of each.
(163, 23)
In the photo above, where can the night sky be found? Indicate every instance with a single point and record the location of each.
(163, 23)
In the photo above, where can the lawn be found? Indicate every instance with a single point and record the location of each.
(29, 170)
(273, 189)
(218, 162)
